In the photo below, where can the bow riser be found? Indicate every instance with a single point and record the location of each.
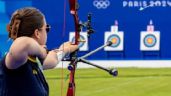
(73, 56)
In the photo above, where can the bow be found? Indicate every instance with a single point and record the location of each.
(73, 57)
(72, 67)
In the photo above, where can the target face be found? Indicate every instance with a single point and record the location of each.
(81, 44)
(150, 40)
(115, 39)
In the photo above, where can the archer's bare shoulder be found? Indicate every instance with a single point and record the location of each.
(24, 40)
(19, 51)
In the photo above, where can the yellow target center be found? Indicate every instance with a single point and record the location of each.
(114, 40)
(150, 40)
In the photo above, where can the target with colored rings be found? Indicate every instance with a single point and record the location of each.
(115, 40)
(150, 40)
(80, 43)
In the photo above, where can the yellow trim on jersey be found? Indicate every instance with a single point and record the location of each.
(32, 59)
(34, 71)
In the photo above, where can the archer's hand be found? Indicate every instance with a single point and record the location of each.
(68, 47)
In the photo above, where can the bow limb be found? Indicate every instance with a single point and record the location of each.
(73, 11)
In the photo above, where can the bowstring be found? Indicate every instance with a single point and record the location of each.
(63, 34)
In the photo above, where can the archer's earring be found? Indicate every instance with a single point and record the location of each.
(8, 27)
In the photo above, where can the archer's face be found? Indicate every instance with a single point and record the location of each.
(43, 34)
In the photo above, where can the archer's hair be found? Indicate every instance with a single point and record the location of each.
(24, 21)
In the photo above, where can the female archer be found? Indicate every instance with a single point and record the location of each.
(20, 74)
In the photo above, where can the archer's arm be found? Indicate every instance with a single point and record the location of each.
(19, 51)
(54, 56)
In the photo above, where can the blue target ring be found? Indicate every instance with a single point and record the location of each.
(80, 43)
(150, 40)
(115, 40)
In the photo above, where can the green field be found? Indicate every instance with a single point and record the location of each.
(130, 82)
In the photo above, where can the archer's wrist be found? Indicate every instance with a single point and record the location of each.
(60, 54)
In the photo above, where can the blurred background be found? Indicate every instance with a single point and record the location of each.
(131, 16)
(139, 29)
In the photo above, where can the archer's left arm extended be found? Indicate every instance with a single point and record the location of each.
(56, 55)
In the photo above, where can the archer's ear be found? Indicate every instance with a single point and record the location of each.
(8, 27)
(37, 34)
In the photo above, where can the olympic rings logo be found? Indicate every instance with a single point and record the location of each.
(101, 4)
